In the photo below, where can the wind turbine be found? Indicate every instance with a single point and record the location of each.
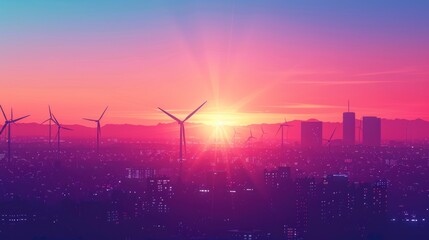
(59, 127)
(282, 125)
(182, 132)
(50, 120)
(7, 123)
(328, 141)
(251, 136)
(98, 127)
(262, 132)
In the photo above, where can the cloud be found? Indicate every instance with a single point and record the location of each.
(306, 106)
(340, 82)
(390, 72)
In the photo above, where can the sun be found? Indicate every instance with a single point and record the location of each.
(220, 119)
(219, 123)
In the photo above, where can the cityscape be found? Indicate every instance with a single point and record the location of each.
(223, 120)
(248, 187)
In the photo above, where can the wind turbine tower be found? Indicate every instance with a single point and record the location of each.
(59, 127)
(50, 120)
(98, 127)
(182, 141)
(7, 123)
(281, 127)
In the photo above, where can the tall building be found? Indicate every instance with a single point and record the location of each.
(270, 178)
(306, 204)
(283, 173)
(349, 127)
(311, 133)
(159, 195)
(379, 196)
(277, 178)
(371, 131)
(334, 198)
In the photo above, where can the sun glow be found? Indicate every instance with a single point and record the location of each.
(219, 123)
(218, 119)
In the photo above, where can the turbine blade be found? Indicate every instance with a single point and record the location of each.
(170, 115)
(192, 113)
(88, 119)
(55, 120)
(279, 129)
(3, 128)
(103, 113)
(68, 129)
(4, 115)
(332, 134)
(45, 121)
(16, 120)
(50, 112)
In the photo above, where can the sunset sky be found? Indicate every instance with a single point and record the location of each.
(253, 61)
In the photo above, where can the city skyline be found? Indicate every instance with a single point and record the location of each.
(304, 120)
(237, 55)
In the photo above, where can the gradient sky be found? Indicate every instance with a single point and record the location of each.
(254, 61)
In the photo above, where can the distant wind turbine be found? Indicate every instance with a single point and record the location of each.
(262, 132)
(7, 123)
(59, 127)
(329, 141)
(281, 127)
(182, 132)
(50, 120)
(251, 136)
(98, 128)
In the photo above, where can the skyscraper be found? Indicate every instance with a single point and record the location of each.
(306, 204)
(159, 195)
(277, 178)
(334, 198)
(349, 127)
(371, 131)
(311, 133)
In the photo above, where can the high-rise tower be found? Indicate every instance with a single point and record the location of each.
(349, 127)
(371, 131)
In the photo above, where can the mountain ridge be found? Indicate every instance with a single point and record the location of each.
(392, 129)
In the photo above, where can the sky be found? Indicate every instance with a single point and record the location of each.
(253, 61)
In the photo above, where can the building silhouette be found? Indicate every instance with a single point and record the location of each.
(371, 132)
(311, 133)
(334, 198)
(159, 195)
(349, 128)
(306, 204)
(277, 178)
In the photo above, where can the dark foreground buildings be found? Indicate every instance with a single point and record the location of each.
(349, 128)
(311, 133)
(371, 131)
